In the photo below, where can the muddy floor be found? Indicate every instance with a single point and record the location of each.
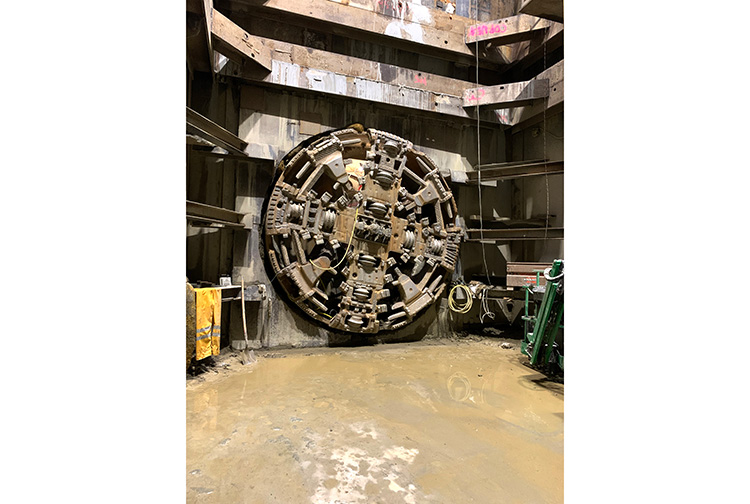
(443, 422)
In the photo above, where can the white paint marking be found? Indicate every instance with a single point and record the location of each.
(285, 73)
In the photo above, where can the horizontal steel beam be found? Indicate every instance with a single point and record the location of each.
(320, 71)
(364, 68)
(553, 233)
(549, 9)
(508, 171)
(513, 94)
(193, 131)
(417, 28)
(204, 127)
(508, 30)
(253, 151)
(212, 223)
(203, 147)
(213, 215)
(521, 117)
(506, 223)
(524, 54)
(196, 140)
(526, 268)
(496, 292)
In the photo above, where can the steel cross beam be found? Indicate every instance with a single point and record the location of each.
(508, 30)
(506, 171)
(553, 233)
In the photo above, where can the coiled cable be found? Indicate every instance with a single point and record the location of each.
(455, 305)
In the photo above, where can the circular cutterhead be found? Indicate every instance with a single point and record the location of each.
(360, 230)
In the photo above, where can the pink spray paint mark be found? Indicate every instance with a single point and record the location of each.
(475, 95)
(475, 31)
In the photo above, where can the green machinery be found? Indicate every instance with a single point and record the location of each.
(540, 329)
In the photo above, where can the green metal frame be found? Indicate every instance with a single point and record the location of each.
(539, 344)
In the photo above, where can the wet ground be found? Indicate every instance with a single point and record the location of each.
(444, 422)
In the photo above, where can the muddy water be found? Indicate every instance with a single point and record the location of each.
(412, 423)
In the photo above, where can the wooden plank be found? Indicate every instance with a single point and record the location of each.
(513, 94)
(428, 31)
(235, 43)
(550, 9)
(509, 30)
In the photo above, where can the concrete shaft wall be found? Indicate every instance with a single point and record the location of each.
(273, 120)
(532, 195)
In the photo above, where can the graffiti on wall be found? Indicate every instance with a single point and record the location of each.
(487, 29)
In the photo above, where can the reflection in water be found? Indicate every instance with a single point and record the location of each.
(459, 386)
(205, 406)
(504, 399)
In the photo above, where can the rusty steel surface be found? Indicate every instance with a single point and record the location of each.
(361, 231)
